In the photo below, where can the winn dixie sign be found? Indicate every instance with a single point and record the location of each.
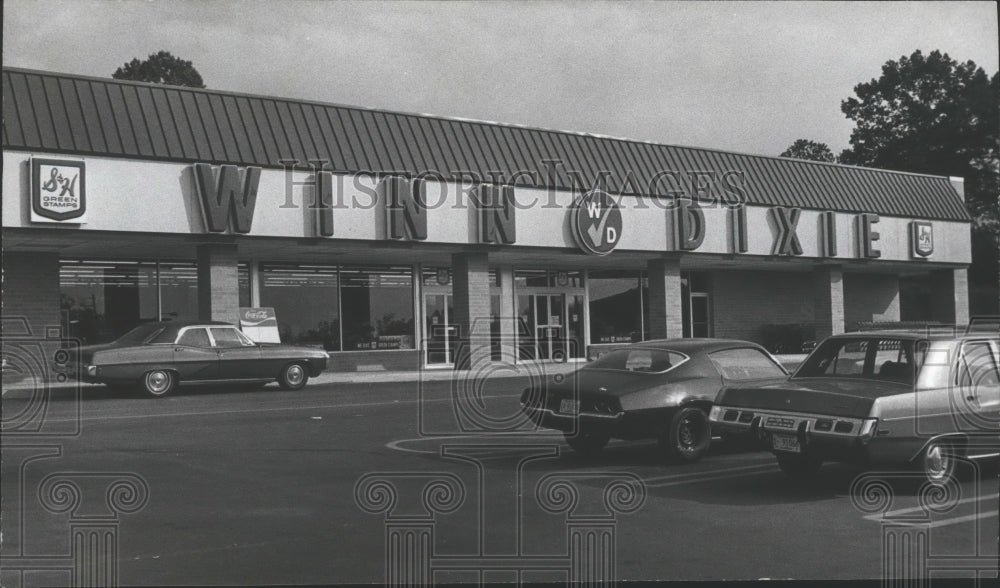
(228, 199)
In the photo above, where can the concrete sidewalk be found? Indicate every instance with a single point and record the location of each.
(532, 369)
(527, 369)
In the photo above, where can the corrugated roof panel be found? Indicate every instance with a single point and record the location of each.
(185, 137)
(168, 125)
(203, 113)
(137, 120)
(438, 153)
(385, 158)
(199, 130)
(57, 112)
(231, 114)
(366, 141)
(253, 133)
(74, 115)
(46, 130)
(116, 100)
(12, 124)
(147, 110)
(91, 116)
(330, 143)
(293, 146)
(398, 142)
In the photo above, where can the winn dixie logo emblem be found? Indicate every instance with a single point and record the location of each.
(227, 195)
(596, 222)
(58, 191)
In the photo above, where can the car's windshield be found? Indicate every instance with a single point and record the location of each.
(141, 334)
(638, 360)
(873, 358)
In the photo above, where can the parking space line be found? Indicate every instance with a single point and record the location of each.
(892, 515)
(257, 410)
(942, 522)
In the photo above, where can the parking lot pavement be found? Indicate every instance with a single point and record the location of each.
(273, 487)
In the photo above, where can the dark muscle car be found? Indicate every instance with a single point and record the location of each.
(877, 398)
(659, 390)
(158, 356)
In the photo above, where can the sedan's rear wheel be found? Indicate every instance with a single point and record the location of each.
(293, 377)
(589, 443)
(939, 462)
(688, 436)
(796, 465)
(159, 383)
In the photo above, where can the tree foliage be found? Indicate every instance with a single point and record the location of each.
(810, 150)
(161, 68)
(931, 114)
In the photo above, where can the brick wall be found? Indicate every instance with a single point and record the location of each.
(665, 318)
(31, 291)
(744, 301)
(870, 298)
(471, 299)
(218, 283)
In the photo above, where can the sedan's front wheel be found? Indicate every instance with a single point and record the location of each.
(159, 383)
(588, 443)
(688, 436)
(293, 377)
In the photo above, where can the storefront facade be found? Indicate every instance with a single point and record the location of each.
(397, 241)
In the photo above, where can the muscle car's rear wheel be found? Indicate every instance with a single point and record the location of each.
(587, 442)
(159, 383)
(797, 465)
(293, 377)
(939, 462)
(688, 436)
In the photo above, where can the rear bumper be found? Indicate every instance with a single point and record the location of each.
(831, 438)
(550, 419)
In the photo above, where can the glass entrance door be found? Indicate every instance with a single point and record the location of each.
(439, 332)
(543, 333)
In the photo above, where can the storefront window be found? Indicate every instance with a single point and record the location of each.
(378, 308)
(101, 300)
(243, 277)
(305, 301)
(615, 306)
(178, 291)
(548, 279)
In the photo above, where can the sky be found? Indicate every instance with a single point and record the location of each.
(749, 77)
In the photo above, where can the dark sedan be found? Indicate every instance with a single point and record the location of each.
(659, 390)
(158, 356)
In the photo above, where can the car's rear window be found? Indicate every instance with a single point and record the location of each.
(141, 334)
(638, 360)
(746, 363)
(874, 358)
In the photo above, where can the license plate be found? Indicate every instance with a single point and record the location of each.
(786, 443)
(569, 406)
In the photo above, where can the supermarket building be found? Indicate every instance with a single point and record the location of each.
(398, 241)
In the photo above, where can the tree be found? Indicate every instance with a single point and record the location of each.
(931, 114)
(811, 150)
(161, 68)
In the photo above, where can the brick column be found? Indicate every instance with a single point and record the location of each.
(30, 293)
(471, 295)
(950, 296)
(508, 315)
(665, 318)
(218, 285)
(828, 301)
